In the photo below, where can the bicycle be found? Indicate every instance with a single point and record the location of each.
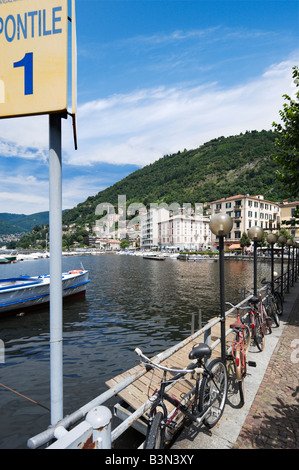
(258, 329)
(208, 395)
(274, 301)
(240, 346)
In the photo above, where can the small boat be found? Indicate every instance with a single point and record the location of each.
(198, 258)
(28, 292)
(154, 256)
(7, 258)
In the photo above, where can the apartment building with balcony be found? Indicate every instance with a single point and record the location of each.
(149, 227)
(247, 211)
(287, 210)
(184, 231)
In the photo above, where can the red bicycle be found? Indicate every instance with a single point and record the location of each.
(260, 322)
(240, 345)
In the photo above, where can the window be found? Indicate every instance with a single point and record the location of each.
(218, 206)
(249, 203)
(228, 205)
(256, 204)
(249, 213)
(237, 234)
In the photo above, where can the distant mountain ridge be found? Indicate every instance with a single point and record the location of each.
(19, 223)
(222, 167)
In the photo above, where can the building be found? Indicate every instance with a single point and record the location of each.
(287, 210)
(107, 244)
(184, 232)
(149, 227)
(246, 211)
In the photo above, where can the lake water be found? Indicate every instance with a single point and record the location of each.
(130, 302)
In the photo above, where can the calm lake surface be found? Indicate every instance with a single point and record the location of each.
(130, 302)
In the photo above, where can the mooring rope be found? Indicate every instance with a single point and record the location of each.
(24, 396)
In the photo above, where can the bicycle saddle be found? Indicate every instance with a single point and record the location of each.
(254, 300)
(199, 351)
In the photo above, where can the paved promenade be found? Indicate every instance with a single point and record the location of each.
(273, 420)
(269, 419)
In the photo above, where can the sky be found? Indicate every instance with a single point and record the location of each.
(154, 77)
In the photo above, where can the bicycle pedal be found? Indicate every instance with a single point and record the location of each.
(251, 363)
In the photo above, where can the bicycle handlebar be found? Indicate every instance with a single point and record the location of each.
(241, 308)
(198, 370)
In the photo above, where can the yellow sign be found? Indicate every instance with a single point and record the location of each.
(33, 57)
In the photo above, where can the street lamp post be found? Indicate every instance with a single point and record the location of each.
(296, 261)
(293, 263)
(255, 234)
(221, 224)
(282, 240)
(289, 243)
(272, 239)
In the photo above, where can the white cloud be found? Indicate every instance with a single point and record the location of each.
(141, 127)
(138, 128)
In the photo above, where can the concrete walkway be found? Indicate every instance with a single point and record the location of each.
(269, 419)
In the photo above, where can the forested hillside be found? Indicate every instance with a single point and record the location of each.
(16, 223)
(220, 168)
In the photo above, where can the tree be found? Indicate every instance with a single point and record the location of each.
(287, 142)
(245, 241)
(124, 243)
(285, 233)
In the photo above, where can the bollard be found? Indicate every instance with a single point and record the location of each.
(100, 419)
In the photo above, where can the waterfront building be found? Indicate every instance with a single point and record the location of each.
(287, 215)
(184, 231)
(246, 211)
(149, 227)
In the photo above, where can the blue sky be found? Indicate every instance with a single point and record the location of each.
(155, 77)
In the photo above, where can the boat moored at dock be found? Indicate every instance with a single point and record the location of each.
(27, 292)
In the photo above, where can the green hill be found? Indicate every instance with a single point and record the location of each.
(18, 223)
(223, 167)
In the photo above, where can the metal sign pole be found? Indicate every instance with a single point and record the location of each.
(56, 358)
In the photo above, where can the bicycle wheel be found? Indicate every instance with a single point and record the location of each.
(279, 302)
(258, 335)
(155, 435)
(273, 311)
(266, 322)
(213, 392)
(240, 372)
(246, 337)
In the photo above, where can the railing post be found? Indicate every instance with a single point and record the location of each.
(199, 319)
(100, 419)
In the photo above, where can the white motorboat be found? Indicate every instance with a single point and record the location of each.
(27, 292)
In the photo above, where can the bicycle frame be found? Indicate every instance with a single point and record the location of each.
(196, 369)
(265, 320)
(239, 343)
(162, 396)
(254, 317)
